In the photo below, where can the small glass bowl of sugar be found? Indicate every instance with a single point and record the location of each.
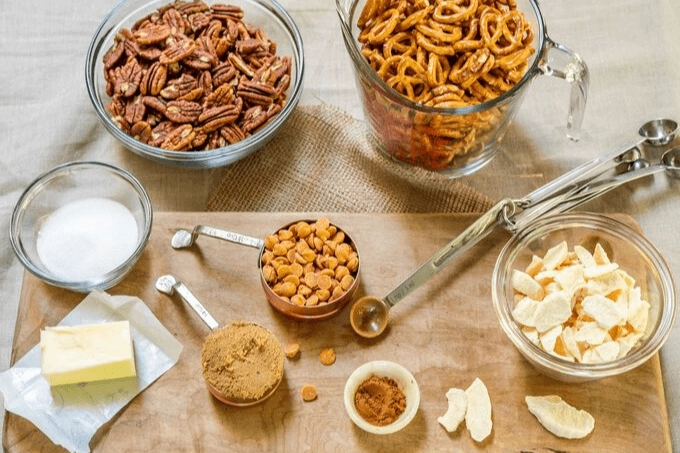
(81, 225)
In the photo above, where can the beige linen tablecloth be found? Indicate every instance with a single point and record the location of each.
(630, 46)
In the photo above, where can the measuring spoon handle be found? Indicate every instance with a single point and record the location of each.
(196, 305)
(227, 236)
(461, 243)
(595, 190)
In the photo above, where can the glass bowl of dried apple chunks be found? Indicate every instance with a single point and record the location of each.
(583, 296)
(198, 84)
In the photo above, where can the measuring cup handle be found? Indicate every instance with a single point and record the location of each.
(559, 61)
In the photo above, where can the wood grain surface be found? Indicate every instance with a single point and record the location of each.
(446, 333)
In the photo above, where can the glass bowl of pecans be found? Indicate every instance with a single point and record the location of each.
(441, 82)
(584, 296)
(193, 83)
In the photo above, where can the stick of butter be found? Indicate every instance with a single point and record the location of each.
(86, 353)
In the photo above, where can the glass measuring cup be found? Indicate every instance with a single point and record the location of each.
(456, 141)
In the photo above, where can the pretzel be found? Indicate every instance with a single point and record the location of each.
(443, 54)
(384, 26)
(403, 44)
(450, 11)
(494, 26)
(415, 18)
(438, 69)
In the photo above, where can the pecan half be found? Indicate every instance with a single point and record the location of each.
(152, 34)
(223, 73)
(192, 8)
(217, 117)
(255, 92)
(176, 88)
(174, 21)
(154, 103)
(223, 95)
(183, 111)
(201, 60)
(154, 79)
(232, 133)
(141, 131)
(253, 118)
(177, 51)
(160, 132)
(135, 111)
(227, 12)
(127, 78)
(241, 65)
(179, 138)
(112, 56)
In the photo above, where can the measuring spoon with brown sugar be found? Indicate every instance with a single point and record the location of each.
(253, 373)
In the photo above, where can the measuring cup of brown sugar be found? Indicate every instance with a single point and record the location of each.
(242, 362)
(309, 269)
(441, 82)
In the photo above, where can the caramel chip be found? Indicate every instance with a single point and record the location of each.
(292, 350)
(308, 393)
(327, 356)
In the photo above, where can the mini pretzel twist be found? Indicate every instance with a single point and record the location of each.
(451, 11)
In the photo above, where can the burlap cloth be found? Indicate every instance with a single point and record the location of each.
(322, 161)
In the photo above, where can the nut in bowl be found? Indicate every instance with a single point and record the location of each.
(196, 84)
(604, 296)
(381, 397)
(441, 82)
(82, 225)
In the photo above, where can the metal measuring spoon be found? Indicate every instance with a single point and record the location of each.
(669, 162)
(184, 238)
(168, 284)
(369, 315)
(659, 132)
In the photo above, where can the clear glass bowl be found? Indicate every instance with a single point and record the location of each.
(69, 183)
(455, 142)
(627, 247)
(267, 15)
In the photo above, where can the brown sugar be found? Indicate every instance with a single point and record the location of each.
(379, 400)
(243, 361)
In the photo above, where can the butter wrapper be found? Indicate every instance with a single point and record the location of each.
(70, 415)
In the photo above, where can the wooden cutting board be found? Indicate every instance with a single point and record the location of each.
(446, 333)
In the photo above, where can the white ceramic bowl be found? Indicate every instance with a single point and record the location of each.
(65, 185)
(404, 379)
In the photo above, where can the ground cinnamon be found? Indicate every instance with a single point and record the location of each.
(379, 400)
(243, 361)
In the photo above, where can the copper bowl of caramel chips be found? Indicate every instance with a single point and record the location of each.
(309, 269)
